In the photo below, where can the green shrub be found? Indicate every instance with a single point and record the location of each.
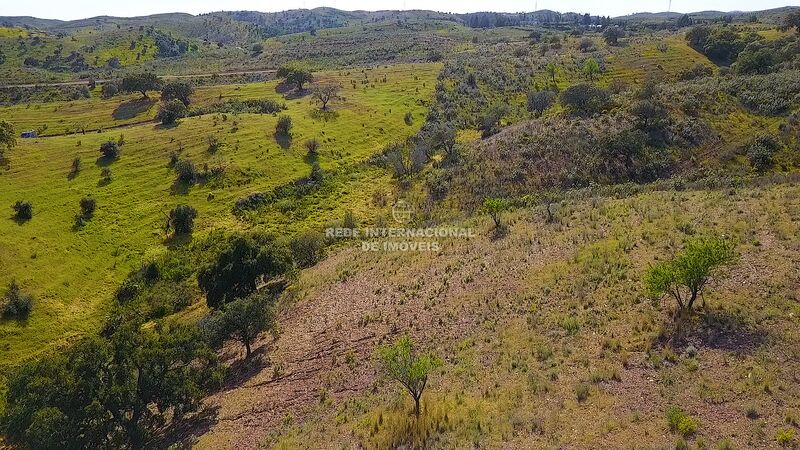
(284, 126)
(181, 219)
(16, 304)
(681, 422)
(186, 171)
(171, 111)
(23, 210)
(582, 392)
(785, 436)
(308, 248)
(110, 149)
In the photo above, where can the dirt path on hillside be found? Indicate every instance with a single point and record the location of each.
(166, 77)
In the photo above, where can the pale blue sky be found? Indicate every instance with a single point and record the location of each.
(76, 9)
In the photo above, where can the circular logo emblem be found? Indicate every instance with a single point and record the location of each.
(402, 212)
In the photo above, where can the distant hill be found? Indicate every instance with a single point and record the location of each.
(769, 15)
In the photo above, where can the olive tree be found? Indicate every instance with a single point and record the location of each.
(325, 93)
(171, 111)
(400, 362)
(244, 319)
(295, 74)
(685, 275)
(141, 82)
(177, 90)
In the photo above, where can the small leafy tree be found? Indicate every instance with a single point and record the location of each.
(108, 90)
(685, 276)
(296, 74)
(110, 149)
(308, 248)
(591, 68)
(284, 126)
(171, 111)
(181, 218)
(246, 318)
(325, 93)
(141, 82)
(16, 304)
(495, 207)
(23, 210)
(585, 100)
(177, 90)
(403, 364)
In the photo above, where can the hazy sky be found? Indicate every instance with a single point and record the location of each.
(76, 9)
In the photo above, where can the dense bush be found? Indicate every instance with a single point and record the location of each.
(23, 210)
(181, 219)
(109, 89)
(235, 106)
(586, 99)
(109, 149)
(761, 151)
(186, 171)
(284, 126)
(171, 111)
(16, 304)
(539, 101)
(308, 248)
(237, 271)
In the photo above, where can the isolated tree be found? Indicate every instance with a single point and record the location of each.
(495, 207)
(118, 390)
(591, 68)
(685, 275)
(8, 136)
(181, 218)
(23, 210)
(296, 74)
(109, 149)
(612, 35)
(177, 90)
(171, 111)
(403, 364)
(108, 90)
(238, 269)
(539, 101)
(325, 93)
(141, 82)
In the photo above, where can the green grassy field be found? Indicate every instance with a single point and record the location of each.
(73, 272)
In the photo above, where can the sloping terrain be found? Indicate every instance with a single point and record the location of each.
(524, 321)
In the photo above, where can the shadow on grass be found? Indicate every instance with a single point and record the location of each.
(105, 161)
(186, 430)
(132, 108)
(180, 187)
(177, 240)
(20, 220)
(499, 232)
(290, 92)
(285, 141)
(325, 115)
(712, 328)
